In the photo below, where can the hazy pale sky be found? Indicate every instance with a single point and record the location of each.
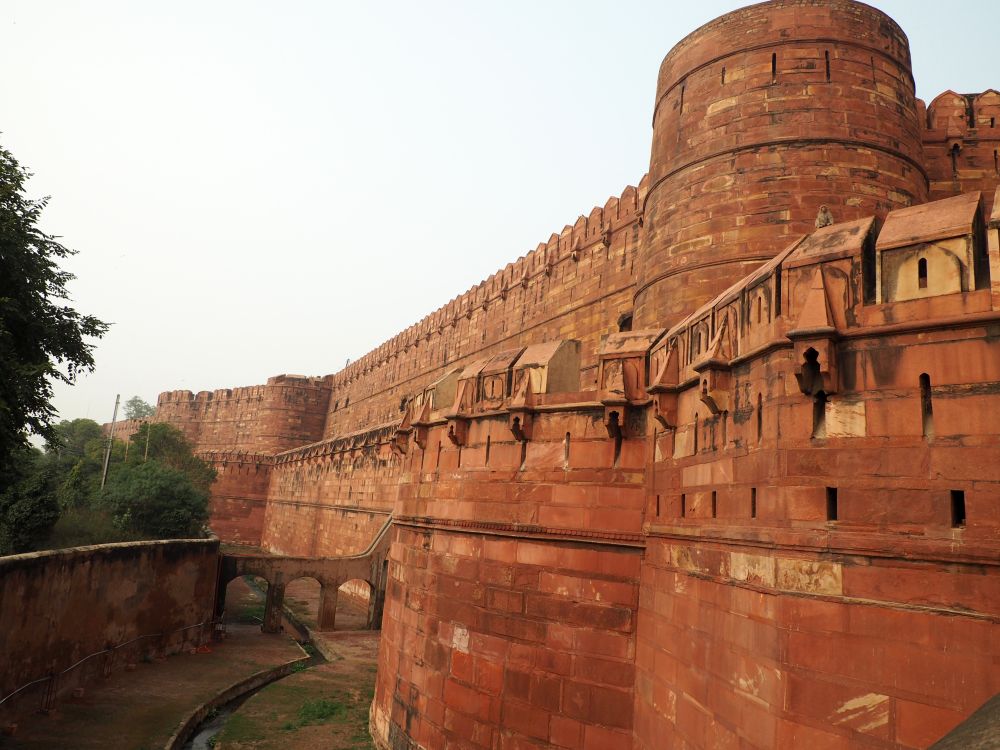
(262, 187)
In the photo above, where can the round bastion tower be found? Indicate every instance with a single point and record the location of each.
(762, 116)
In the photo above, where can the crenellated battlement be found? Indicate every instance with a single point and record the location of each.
(962, 142)
(566, 246)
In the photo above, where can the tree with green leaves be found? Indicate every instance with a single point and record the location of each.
(42, 339)
(167, 445)
(156, 500)
(136, 408)
(28, 506)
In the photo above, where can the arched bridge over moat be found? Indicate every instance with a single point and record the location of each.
(371, 566)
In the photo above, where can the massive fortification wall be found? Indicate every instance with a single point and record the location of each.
(762, 117)
(577, 285)
(287, 411)
(765, 517)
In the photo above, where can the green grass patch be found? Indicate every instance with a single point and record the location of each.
(321, 711)
(239, 728)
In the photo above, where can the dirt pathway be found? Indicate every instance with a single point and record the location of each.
(139, 710)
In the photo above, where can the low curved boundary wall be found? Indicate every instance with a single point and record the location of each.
(114, 603)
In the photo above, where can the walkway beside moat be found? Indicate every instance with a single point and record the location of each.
(141, 709)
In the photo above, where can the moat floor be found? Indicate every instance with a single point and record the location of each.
(140, 710)
(322, 708)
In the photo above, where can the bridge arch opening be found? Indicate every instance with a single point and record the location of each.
(243, 601)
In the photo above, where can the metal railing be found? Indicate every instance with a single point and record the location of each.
(51, 690)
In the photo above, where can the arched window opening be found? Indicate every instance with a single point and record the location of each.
(922, 273)
(625, 323)
(926, 406)
(954, 158)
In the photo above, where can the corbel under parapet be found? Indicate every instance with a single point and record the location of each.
(520, 418)
(815, 338)
(458, 418)
(421, 425)
(664, 390)
(715, 373)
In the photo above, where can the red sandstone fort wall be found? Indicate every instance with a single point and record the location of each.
(762, 117)
(789, 538)
(286, 412)
(962, 143)
(239, 495)
(576, 285)
(61, 606)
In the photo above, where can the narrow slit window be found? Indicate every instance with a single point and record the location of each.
(957, 509)
(657, 506)
(760, 418)
(683, 506)
(683, 86)
(827, 54)
(926, 405)
(831, 504)
(715, 504)
(437, 458)
(996, 161)
(774, 67)
(566, 451)
(695, 433)
(922, 273)
(724, 78)
(753, 502)
(488, 444)
(954, 159)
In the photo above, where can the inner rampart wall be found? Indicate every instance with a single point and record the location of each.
(58, 607)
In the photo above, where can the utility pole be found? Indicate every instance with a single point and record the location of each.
(111, 438)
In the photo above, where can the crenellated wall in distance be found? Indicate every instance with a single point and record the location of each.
(285, 412)
(962, 142)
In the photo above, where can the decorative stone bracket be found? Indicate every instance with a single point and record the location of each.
(815, 337)
(520, 418)
(622, 376)
(816, 354)
(715, 385)
(664, 389)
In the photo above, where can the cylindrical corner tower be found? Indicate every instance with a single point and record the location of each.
(761, 117)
